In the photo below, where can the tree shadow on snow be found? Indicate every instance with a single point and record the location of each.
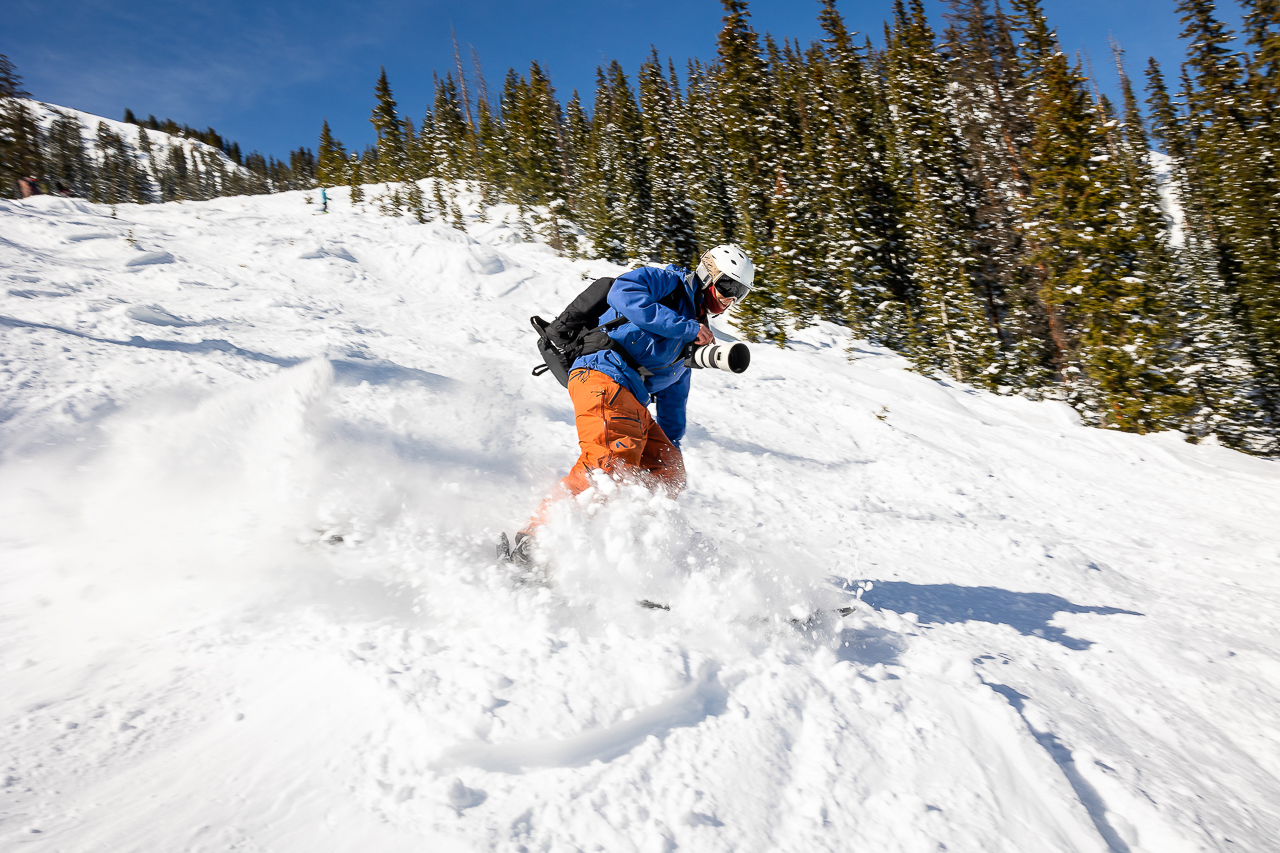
(1065, 759)
(1029, 613)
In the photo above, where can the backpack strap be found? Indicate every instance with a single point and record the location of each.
(556, 349)
(598, 338)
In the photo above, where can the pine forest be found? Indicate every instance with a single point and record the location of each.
(965, 196)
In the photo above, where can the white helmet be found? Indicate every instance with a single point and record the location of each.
(729, 269)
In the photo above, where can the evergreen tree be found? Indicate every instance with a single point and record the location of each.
(740, 108)
(1100, 243)
(613, 194)
(300, 174)
(532, 122)
(1212, 364)
(415, 201)
(452, 140)
(1228, 167)
(332, 163)
(796, 205)
(66, 160)
(993, 107)
(392, 158)
(21, 144)
(852, 166)
(491, 154)
(10, 80)
(670, 222)
(622, 164)
(111, 186)
(703, 151)
(355, 178)
(949, 330)
(577, 150)
(19, 138)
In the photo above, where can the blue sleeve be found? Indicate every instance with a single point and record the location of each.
(635, 295)
(671, 403)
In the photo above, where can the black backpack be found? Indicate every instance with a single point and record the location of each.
(577, 332)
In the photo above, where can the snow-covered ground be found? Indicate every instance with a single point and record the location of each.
(254, 463)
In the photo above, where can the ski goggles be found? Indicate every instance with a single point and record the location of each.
(730, 288)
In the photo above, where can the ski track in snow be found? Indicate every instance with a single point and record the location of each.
(254, 461)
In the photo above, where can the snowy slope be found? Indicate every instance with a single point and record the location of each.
(1069, 642)
(161, 142)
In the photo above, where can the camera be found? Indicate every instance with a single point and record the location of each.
(734, 358)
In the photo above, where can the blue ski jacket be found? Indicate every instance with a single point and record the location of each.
(653, 335)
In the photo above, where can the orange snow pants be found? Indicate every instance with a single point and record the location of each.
(619, 437)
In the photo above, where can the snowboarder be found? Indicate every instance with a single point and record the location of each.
(616, 432)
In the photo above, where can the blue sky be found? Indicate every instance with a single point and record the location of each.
(266, 73)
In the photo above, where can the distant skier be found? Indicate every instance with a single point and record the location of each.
(27, 187)
(616, 433)
(324, 201)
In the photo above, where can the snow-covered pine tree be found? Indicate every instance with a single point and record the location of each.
(66, 159)
(415, 201)
(594, 196)
(577, 149)
(148, 151)
(1212, 363)
(355, 178)
(218, 177)
(117, 174)
(532, 120)
(671, 220)
(797, 264)
(862, 211)
(19, 134)
(702, 150)
(452, 135)
(392, 159)
(993, 112)
(413, 165)
(422, 153)
(1097, 241)
(950, 330)
(613, 194)
(619, 128)
(1255, 183)
(21, 145)
(331, 165)
(491, 154)
(741, 109)
(1228, 167)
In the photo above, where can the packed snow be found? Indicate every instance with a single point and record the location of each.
(255, 463)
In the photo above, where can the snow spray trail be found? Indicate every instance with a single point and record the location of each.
(177, 507)
(620, 543)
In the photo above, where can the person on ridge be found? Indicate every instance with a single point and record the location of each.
(616, 433)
